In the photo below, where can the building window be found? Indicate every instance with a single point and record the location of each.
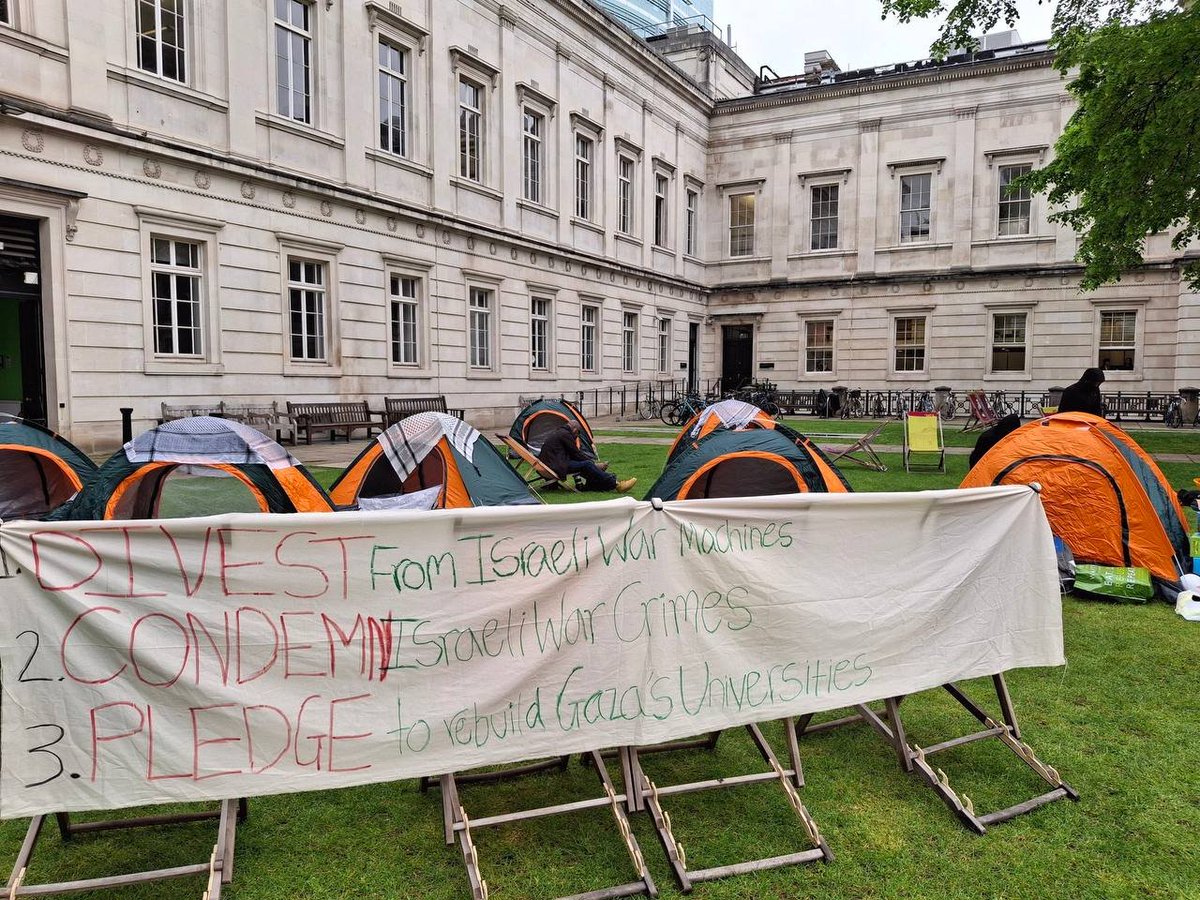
(664, 345)
(1015, 201)
(625, 195)
(741, 225)
(910, 344)
(393, 98)
(583, 176)
(293, 59)
(1008, 342)
(405, 320)
(160, 38)
(915, 193)
(306, 305)
(175, 284)
(629, 322)
(470, 130)
(661, 186)
(539, 334)
(533, 127)
(824, 217)
(1118, 340)
(5, 13)
(480, 328)
(589, 320)
(693, 205)
(818, 346)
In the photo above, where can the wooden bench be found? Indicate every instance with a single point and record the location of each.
(265, 417)
(171, 412)
(397, 408)
(344, 416)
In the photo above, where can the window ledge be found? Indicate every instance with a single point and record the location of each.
(627, 238)
(10, 35)
(300, 129)
(1016, 239)
(484, 375)
(831, 253)
(692, 258)
(1009, 376)
(666, 251)
(476, 187)
(819, 376)
(538, 208)
(746, 259)
(167, 86)
(400, 162)
(587, 224)
(909, 376)
(395, 371)
(915, 245)
(295, 367)
(160, 366)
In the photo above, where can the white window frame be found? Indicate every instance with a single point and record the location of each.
(813, 319)
(665, 337)
(584, 176)
(1136, 307)
(327, 253)
(813, 187)
(183, 34)
(993, 315)
(10, 19)
(466, 114)
(1002, 200)
(305, 288)
(597, 309)
(490, 367)
(177, 274)
(309, 38)
(662, 209)
(931, 174)
(404, 79)
(546, 320)
(400, 302)
(630, 324)
(626, 195)
(196, 230)
(751, 225)
(691, 234)
(534, 145)
(894, 345)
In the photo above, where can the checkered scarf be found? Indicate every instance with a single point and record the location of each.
(203, 440)
(410, 440)
(734, 414)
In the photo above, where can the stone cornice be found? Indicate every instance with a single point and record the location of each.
(883, 83)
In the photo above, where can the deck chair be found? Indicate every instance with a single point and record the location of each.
(538, 474)
(923, 435)
(982, 415)
(861, 451)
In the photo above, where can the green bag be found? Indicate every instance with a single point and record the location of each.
(1114, 583)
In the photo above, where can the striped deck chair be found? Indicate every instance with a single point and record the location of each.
(982, 415)
(923, 435)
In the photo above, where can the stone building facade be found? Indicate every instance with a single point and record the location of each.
(324, 199)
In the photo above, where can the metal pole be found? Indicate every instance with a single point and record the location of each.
(126, 424)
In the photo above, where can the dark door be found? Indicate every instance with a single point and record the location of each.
(693, 356)
(22, 364)
(737, 356)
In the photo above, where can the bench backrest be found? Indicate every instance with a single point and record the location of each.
(400, 407)
(344, 412)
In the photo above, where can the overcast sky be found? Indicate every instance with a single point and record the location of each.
(778, 32)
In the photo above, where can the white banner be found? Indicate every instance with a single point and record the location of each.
(154, 661)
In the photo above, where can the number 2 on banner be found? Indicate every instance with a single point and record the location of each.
(37, 642)
(45, 748)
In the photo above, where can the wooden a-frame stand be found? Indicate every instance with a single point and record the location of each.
(648, 796)
(914, 758)
(219, 867)
(459, 827)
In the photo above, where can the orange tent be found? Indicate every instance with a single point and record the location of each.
(1103, 494)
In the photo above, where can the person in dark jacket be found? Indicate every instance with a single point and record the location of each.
(1084, 395)
(990, 438)
(561, 454)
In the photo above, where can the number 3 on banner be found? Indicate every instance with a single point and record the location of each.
(45, 748)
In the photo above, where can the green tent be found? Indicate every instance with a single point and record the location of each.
(39, 470)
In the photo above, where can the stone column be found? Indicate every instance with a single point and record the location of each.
(962, 188)
(87, 67)
(778, 203)
(868, 194)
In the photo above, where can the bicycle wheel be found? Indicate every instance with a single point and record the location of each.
(771, 408)
(1174, 417)
(645, 408)
(949, 410)
(667, 412)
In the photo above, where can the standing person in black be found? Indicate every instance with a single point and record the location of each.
(1084, 395)
(561, 453)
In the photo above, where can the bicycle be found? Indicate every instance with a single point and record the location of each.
(924, 402)
(877, 406)
(853, 409)
(1173, 416)
(1001, 405)
(678, 411)
(949, 407)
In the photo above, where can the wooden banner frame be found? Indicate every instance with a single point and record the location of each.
(914, 758)
(219, 866)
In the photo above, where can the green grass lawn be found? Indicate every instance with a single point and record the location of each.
(1119, 721)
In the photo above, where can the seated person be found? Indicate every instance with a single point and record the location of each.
(1084, 395)
(561, 454)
